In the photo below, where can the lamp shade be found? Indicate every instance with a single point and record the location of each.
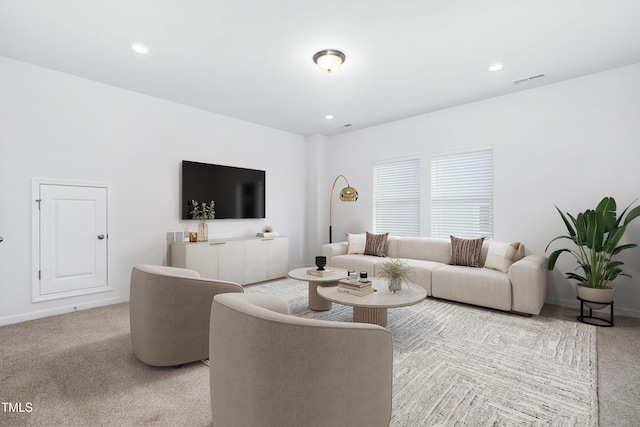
(329, 60)
(349, 194)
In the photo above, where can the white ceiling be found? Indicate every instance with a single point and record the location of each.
(252, 59)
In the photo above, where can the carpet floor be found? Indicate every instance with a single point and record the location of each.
(454, 365)
(467, 366)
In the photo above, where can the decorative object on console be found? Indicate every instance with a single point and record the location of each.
(268, 232)
(347, 194)
(193, 236)
(395, 271)
(203, 212)
(466, 252)
(597, 234)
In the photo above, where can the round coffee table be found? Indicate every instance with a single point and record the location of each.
(372, 308)
(315, 302)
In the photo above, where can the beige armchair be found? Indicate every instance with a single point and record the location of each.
(268, 368)
(169, 314)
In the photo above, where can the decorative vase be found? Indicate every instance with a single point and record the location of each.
(203, 231)
(595, 298)
(395, 284)
(321, 261)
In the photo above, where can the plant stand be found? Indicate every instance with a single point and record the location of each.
(590, 318)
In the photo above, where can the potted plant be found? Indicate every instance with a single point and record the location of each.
(395, 271)
(596, 236)
(203, 212)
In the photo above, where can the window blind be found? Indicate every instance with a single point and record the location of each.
(396, 197)
(462, 194)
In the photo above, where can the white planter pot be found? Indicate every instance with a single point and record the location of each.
(595, 298)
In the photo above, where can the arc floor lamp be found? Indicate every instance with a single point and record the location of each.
(347, 194)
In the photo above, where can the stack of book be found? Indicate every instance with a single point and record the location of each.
(320, 273)
(355, 287)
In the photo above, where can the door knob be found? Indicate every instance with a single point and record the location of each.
(101, 236)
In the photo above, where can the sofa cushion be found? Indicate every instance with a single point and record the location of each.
(466, 251)
(428, 249)
(356, 243)
(376, 244)
(501, 255)
(478, 286)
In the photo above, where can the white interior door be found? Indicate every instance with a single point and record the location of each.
(73, 240)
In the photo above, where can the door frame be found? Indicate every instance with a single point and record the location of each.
(35, 237)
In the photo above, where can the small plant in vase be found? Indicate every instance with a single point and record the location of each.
(395, 271)
(203, 212)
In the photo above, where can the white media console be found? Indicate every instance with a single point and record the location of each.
(240, 260)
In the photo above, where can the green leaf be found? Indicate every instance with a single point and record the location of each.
(577, 277)
(581, 229)
(623, 247)
(595, 230)
(570, 229)
(613, 239)
(635, 212)
(553, 258)
(606, 209)
(573, 239)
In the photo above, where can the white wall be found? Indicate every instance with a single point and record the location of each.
(569, 144)
(54, 125)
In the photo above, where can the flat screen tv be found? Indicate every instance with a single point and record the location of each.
(237, 192)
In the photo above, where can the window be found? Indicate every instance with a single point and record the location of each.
(396, 197)
(462, 194)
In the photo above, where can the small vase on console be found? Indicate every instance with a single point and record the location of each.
(203, 231)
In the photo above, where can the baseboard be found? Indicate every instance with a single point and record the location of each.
(574, 303)
(32, 315)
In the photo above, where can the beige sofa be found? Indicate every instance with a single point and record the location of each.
(169, 314)
(270, 369)
(523, 288)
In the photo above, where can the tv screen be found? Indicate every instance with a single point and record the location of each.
(237, 192)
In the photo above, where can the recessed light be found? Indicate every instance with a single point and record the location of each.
(329, 116)
(140, 48)
(495, 67)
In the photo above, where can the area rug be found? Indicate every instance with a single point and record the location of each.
(460, 365)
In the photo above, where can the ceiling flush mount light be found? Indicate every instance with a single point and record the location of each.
(329, 60)
(495, 67)
(329, 116)
(140, 48)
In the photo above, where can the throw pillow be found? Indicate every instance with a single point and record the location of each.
(355, 243)
(501, 255)
(376, 244)
(466, 251)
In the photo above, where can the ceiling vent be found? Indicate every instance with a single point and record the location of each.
(526, 79)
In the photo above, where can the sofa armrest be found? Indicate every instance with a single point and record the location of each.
(529, 284)
(333, 249)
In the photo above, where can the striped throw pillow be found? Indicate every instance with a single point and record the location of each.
(466, 251)
(376, 244)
